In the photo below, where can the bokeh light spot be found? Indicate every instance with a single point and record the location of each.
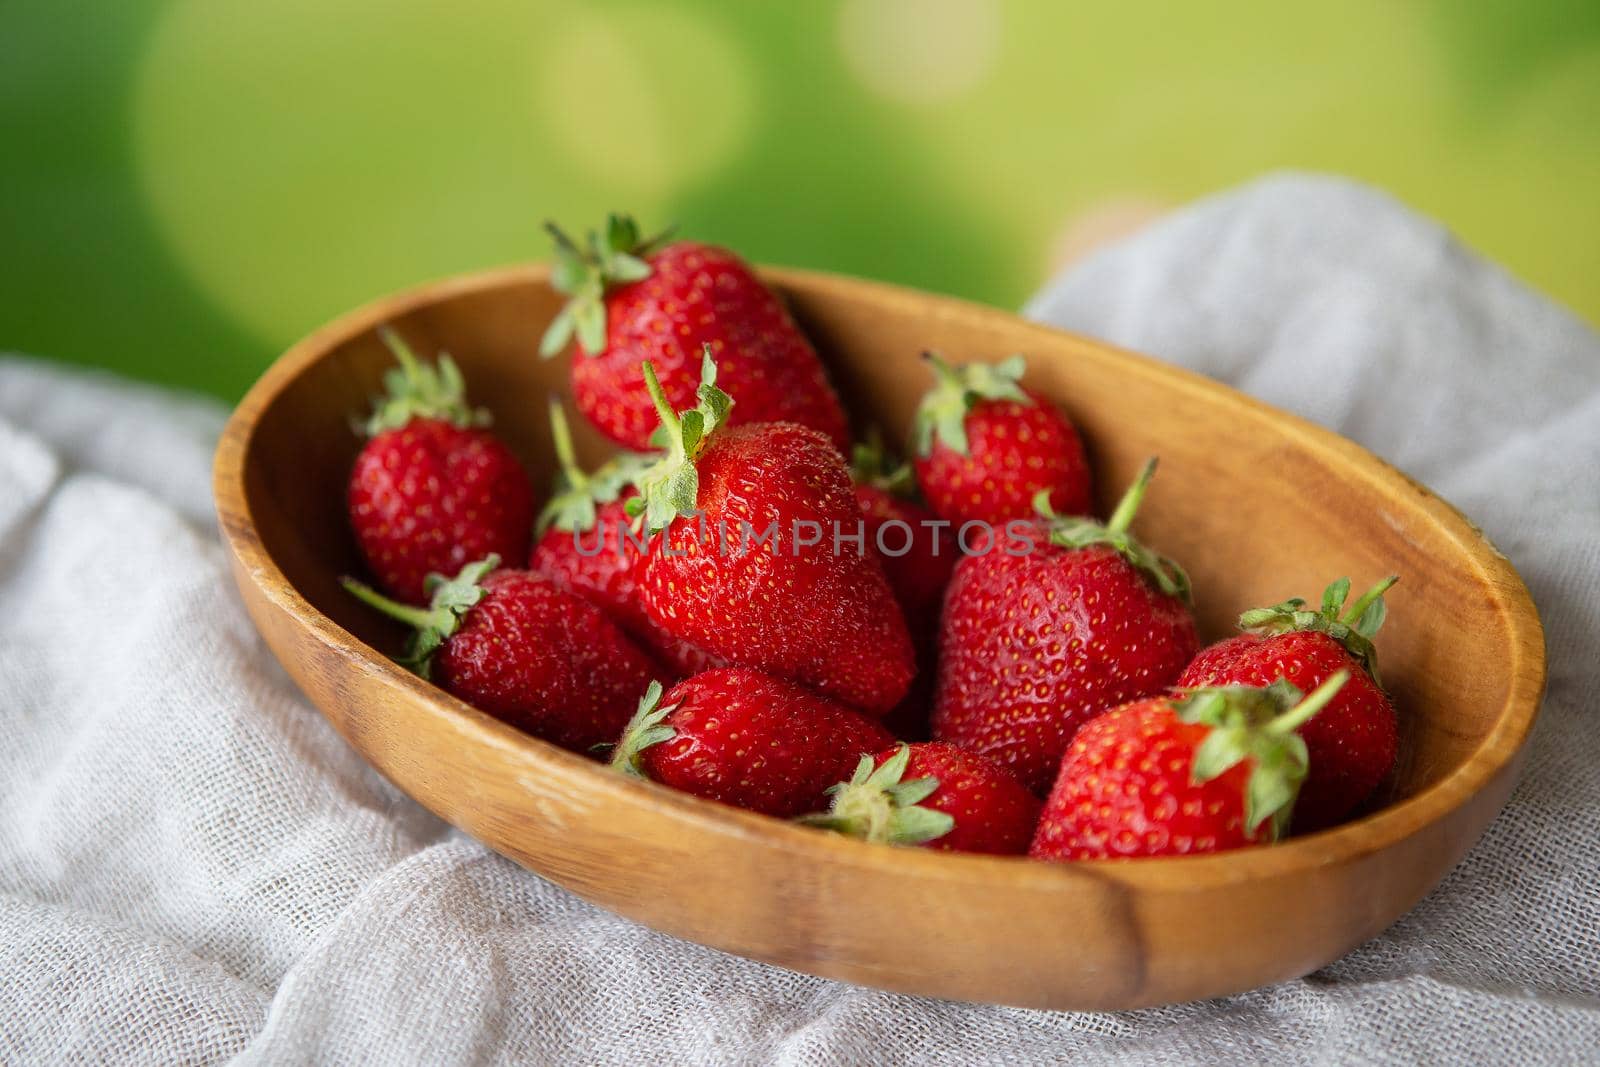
(613, 90)
(920, 51)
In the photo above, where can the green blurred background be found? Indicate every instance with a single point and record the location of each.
(189, 185)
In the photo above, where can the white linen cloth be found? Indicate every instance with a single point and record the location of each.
(194, 867)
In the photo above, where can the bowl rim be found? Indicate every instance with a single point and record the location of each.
(1345, 843)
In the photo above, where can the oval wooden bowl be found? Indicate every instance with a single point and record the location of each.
(1258, 505)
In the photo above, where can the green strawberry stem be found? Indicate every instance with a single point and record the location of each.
(1308, 708)
(646, 728)
(942, 414)
(571, 506)
(876, 805)
(669, 417)
(1072, 531)
(1353, 613)
(561, 437)
(576, 494)
(451, 599)
(412, 616)
(1128, 506)
(671, 486)
(416, 390)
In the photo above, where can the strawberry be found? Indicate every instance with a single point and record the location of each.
(634, 298)
(986, 447)
(916, 549)
(585, 546)
(1179, 775)
(1355, 741)
(432, 491)
(747, 739)
(751, 567)
(935, 795)
(1035, 644)
(513, 645)
(918, 555)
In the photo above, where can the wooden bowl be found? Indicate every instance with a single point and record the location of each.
(1258, 505)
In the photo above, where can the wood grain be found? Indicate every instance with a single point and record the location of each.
(1257, 504)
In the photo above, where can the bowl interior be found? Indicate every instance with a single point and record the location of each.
(1257, 506)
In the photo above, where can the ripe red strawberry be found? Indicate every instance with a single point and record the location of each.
(918, 554)
(1035, 644)
(511, 644)
(1179, 775)
(1355, 741)
(432, 491)
(585, 546)
(986, 447)
(747, 739)
(916, 549)
(633, 299)
(935, 795)
(600, 566)
(748, 568)
(596, 563)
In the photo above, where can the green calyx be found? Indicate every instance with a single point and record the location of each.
(876, 805)
(942, 414)
(871, 464)
(1258, 725)
(1354, 626)
(575, 498)
(670, 486)
(450, 600)
(418, 390)
(1070, 531)
(585, 274)
(647, 727)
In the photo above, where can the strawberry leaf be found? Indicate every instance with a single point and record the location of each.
(585, 275)
(905, 794)
(1334, 596)
(626, 268)
(622, 233)
(692, 425)
(1224, 748)
(1372, 619)
(877, 806)
(916, 826)
(558, 334)
(589, 318)
(571, 272)
(648, 727)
